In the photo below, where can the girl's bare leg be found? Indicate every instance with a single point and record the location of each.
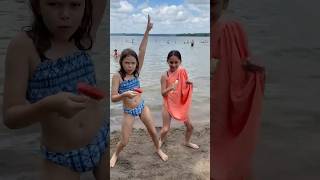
(52, 171)
(126, 130)
(166, 119)
(146, 118)
(101, 172)
(188, 135)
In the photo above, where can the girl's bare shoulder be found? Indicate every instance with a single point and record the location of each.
(163, 75)
(116, 75)
(22, 44)
(21, 39)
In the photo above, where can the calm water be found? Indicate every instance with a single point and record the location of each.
(194, 59)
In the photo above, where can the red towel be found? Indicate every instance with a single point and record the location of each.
(178, 101)
(236, 103)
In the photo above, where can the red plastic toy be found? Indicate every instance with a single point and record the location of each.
(90, 91)
(139, 90)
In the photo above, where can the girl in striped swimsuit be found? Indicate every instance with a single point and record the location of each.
(123, 85)
(43, 67)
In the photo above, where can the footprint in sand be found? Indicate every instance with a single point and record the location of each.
(125, 164)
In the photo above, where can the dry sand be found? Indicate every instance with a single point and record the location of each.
(138, 160)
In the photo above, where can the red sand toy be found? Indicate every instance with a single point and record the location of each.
(139, 90)
(90, 91)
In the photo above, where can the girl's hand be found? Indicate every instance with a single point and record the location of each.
(67, 104)
(214, 63)
(149, 25)
(130, 94)
(174, 85)
(189, 82)
(253, 67)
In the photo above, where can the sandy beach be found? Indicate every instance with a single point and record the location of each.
(139, 161)
(285, 35)
(19, 149)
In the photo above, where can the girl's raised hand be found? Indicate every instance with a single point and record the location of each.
(149, 25)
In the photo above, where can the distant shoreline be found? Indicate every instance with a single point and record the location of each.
(185, 34)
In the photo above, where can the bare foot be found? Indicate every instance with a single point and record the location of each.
(113, 160)
(191, 145)
(162, 155)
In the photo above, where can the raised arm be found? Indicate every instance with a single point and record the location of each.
(144, 42)
(98, 7)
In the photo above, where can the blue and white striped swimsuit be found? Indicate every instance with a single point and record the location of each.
(130, 85)
(51, 77)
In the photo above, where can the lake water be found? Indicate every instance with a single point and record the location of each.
(195, 59)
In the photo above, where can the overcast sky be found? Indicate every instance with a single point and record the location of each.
(168, 16)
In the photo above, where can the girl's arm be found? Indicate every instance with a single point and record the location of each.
(188, 80)
(115, 96)
(143, 44)
(98, 7)
(17, 112)
(164, 89)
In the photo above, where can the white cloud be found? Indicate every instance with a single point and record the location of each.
(143, 5)
(139, 18)
(192, 16)
(206, 2)
(193, 8)
(147, 10)
(125, 7)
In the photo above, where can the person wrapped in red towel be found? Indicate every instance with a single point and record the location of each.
(237, 87)
(176, 89)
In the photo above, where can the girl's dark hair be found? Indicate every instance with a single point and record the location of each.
(174, 53)
(125, 53)
(40, 34)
